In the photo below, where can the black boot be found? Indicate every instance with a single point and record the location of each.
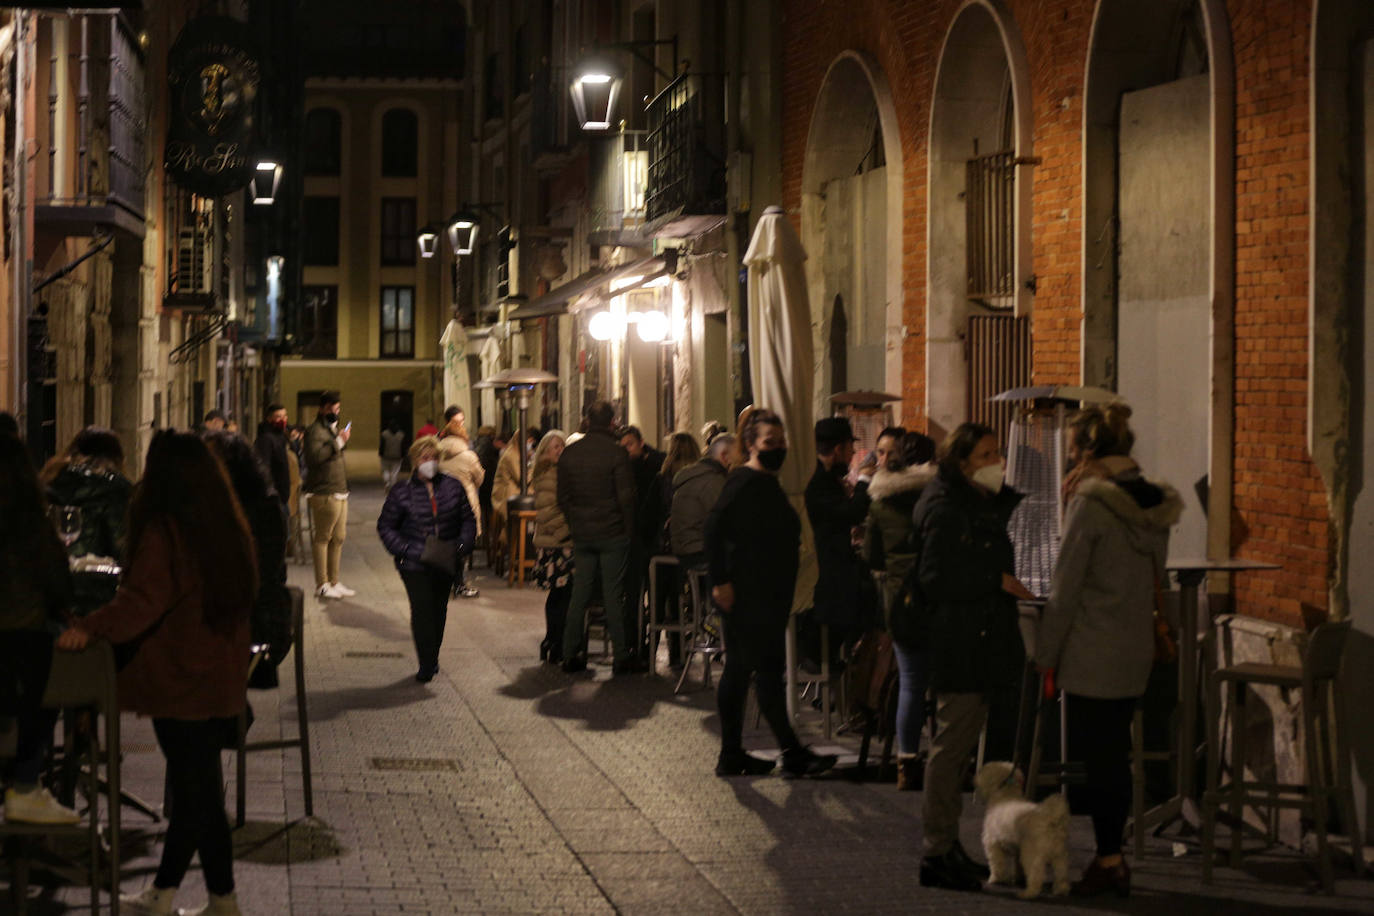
(946, 872)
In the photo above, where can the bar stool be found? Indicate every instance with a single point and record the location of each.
(302, 739)
(81, 679)
(1318, 677)
(521, 524)
(657, 627)
(823, 681)
(698, 640)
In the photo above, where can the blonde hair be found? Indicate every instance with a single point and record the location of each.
(1103, 431)
(542, 449)
(419, 445)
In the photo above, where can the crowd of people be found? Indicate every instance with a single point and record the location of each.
(202, 539)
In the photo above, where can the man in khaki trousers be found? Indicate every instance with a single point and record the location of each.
(327, 485)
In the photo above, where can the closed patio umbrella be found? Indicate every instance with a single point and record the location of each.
(453, 345)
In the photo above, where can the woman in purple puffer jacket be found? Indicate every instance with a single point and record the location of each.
(429, 503)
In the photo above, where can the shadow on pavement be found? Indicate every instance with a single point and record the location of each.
(402, 692)
(535, 681)
(269, 843)
(362, 617)
(606, 705)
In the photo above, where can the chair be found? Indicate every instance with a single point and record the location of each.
(697, 638)
(657, 627)
(82, 679)
(521, 527)
(301, 741)
(1318, 677)
(805, 680)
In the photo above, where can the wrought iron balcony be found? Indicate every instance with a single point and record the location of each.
(96, 177)
(685, 192)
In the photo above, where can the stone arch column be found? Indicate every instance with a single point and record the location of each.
(1133, 47)
(982, 66)
(1340, 399)
(855, 94)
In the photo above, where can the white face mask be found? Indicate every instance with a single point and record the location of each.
(990, 477)
(428, 469)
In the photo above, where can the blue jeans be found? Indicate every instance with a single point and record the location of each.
(612, 559)
(911, 699)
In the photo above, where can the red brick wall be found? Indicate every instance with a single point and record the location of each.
(1280, 507)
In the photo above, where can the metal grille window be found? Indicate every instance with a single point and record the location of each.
(398, 321)
(673, 155)
(398, 231)
(999, 357)
(504, 247)
(991, 223)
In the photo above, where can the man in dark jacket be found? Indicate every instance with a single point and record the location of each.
(597, 496)
(645, 463)
(327, 483)
(695, 491)
(271, 449)
(840, 593)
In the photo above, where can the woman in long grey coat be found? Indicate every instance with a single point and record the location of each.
(1097, 634)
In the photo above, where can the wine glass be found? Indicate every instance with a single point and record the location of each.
(67, 521)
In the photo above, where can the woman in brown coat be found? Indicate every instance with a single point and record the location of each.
(189, 585)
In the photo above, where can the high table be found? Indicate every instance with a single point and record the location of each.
(1190, 574)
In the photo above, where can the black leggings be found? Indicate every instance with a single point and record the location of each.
(1100, 736)
(757, 648)
(192, 749)
(428, 593)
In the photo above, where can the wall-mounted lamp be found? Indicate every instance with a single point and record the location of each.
(462, 232)
(597, 79)
(428, 239)
(266, 180)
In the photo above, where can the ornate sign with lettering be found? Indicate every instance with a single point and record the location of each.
(213, 71)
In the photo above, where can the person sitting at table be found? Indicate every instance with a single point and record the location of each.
(185, 599)
(35, 592)
(1097, 632)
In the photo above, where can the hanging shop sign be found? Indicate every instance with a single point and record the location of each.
(213, 72)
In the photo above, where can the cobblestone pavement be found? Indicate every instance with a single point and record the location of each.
(517, 789)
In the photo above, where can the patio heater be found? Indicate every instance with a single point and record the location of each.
(518, 383)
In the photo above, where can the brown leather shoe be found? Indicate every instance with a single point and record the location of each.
(1098, 880)
(911, 772)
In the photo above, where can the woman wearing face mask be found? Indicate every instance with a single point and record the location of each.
(973, 643)
(752, 538)
(429, 503)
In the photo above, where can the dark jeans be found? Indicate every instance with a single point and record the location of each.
(1100, 736)
(610, 558)
(192, 749)
(428, 593)
(911, 699)
(756, 647)
(33, 736)
(636, 583)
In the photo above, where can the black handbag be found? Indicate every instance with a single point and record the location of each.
(439, 555)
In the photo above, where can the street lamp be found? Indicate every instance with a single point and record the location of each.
(462, 232)
(597, 79)
(521, 382)
(428, 239)
(266, 180)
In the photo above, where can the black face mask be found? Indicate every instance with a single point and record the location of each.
(331, 418)
(773, 458)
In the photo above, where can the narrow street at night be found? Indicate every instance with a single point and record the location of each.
(506, 786)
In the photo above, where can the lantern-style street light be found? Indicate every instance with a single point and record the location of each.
(462, 232)
(266, 180)
(597, 78)
(428, 239)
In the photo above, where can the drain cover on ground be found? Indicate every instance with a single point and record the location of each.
(415, 764)
(372, 655)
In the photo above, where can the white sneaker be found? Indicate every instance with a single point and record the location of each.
(37, 807)
(151, 901)
(327, 591)
(342, 591)
(225, 905)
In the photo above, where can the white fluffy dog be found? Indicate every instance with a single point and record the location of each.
(1014, 828)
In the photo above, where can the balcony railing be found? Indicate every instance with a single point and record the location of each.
(96, 177)
(685, 193)
(191, 251)
(991, 224)
(619, 167)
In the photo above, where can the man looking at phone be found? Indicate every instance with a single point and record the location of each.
(327, 484)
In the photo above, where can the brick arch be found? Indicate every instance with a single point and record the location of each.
(981, 60)
(1129, 48)
(855, 88)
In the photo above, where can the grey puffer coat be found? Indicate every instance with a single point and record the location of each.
(1098, 629)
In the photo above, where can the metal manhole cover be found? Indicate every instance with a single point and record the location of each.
(416, 764)
(132, 747)
(372, 655)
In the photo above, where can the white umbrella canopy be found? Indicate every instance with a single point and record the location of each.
(457, 380)
(780, 364)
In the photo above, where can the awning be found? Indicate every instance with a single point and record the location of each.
(555, 301)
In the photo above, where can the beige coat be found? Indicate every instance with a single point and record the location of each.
(550, 527)
(459, 461)
(507, 480)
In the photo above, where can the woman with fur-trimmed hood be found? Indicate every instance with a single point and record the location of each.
(905, 465)
(1097, 633)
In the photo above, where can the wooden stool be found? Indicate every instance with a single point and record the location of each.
(521, 521)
